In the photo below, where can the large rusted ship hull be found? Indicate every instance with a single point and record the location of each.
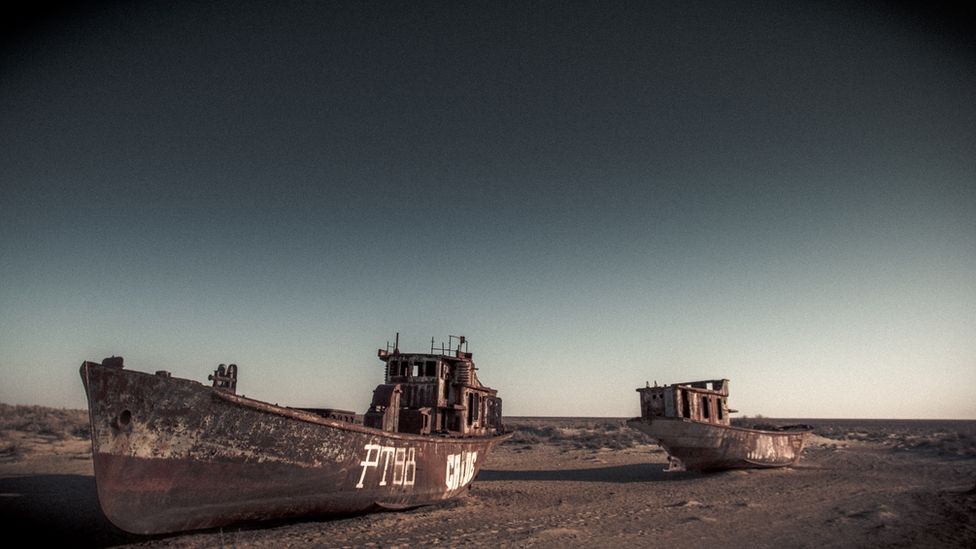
(171, 455)
(703, 446)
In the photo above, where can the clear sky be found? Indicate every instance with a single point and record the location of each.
(596, 194)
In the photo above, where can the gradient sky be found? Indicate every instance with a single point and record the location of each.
(596, 194)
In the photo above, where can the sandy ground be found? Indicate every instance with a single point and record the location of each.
(861, 484)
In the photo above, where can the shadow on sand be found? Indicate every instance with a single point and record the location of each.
(638, 472)
(57, 509)
(63, 510)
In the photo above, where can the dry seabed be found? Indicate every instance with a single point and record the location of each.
(577, 482)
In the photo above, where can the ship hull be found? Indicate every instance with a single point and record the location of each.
(705, 447)
(173, 455)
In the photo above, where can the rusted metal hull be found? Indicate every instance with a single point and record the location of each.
(704, 446)
(171, 455)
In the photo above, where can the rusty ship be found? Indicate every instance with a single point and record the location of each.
(691, 422)
(174, 454)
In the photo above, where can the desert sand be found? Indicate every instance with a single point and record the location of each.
(573, 482)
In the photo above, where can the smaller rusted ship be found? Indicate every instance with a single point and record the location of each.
(173, 454)
(691, 422)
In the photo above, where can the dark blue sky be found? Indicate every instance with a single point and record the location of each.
(597, 195)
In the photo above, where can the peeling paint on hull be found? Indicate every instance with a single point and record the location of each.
(704, 446)
(172, 455)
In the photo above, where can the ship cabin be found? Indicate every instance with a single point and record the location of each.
(701, 401)
(434, 393)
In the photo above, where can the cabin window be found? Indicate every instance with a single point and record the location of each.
(431, 368)
(705, 408)
(685, 404)
(718, 407)
(470, 409)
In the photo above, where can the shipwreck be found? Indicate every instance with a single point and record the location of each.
(691, 422)
(173, 454)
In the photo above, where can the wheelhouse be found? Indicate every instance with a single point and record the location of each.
(436, 392)
(702, 401)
